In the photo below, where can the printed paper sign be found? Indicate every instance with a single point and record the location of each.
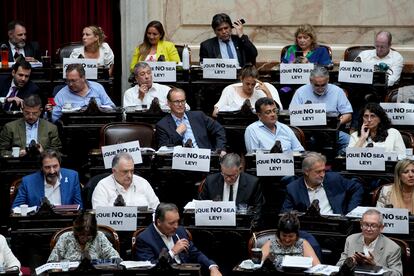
(120, 218)
(90, 65)
(109, 152)
(308, 115)
(215, 213)
(356, 72)
(191, 159)
(163, 71)
(365, 159)
(214, 68)
(270, 164)
(292, 73)
(399, 113)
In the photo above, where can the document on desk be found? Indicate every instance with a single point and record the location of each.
(135, 264)
(322, 269)
(297, 261)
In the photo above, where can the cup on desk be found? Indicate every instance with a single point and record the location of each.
(67, 106)
(257, 255)
(23, 209)
(47, 61)
(15, 151)
(64, 265)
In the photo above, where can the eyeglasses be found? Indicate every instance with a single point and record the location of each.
(179, 102)
(367, 226)
(271, 111)
(369, 117)
(69, 82)
(319, 85)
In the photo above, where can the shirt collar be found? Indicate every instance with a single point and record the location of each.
(58, 181)
(119, 186)
(179, 119)
(161, 234)
(35, 125)
(310, 189)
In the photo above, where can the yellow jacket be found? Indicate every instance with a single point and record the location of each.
(165, 48)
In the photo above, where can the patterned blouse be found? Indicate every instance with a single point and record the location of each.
(68, 248)
(319, 55)
(278, 251)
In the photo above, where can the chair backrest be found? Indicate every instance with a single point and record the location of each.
(87, 191)
(66, 49)
(376, 193)
(109, 232)
(180, 49)
(300, 135)
(405, 94)
(391, 96)
(115, 133)
(405, 255)
(14, 187)
(352, 52)
(284, 49)
(408, 138)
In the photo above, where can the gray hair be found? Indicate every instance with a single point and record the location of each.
(387, 34)
(374, 212)
(230, 160)
(311, 158)
(32, 101)
(140, 65)
(319, 71)
(119, 156)
(162, 209)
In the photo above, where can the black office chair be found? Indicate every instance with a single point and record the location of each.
(87, 191)
(66, 49)
(352, 52)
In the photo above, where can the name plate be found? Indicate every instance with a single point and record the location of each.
(291, 73)
(163, 71)
(120, 218)
(271, 164)
(399, 113)
(356, 72)
(214, 68)
(191, 159)
(215, 213)
(109, 152)
(308, 115)
(365, 159)
(90, 65)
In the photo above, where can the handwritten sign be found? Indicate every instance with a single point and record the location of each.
(120, 218)
(215, 213)
(219, 68)
(308, 115)
(292, 73)
(109, 152)
(365, 159)
(163, 71)
(90, 65)
(356, 72)
(399, 113)
(191, 159)
(275, 164)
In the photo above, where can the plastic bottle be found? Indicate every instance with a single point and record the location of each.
(186, 58)
(4, 56)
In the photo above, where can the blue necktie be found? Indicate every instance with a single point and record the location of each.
(229, 52)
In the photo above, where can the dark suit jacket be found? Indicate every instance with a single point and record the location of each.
(149, 245)
(246, 51)
(208, 133)
(248, 192)
(14, 134)
(343, 194)
(32, 189)
(30, 50)
(27, 90)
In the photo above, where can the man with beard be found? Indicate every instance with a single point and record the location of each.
(17, 43)
(60, 186)
(18, 86)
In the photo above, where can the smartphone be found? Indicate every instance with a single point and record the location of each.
(51, 101)
(241, 20)
(298, 54)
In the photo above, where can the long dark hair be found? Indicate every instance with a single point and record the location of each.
(145, 46)
(383, 126)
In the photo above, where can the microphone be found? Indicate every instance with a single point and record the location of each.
(81, 56)
(358, 59)
(189, 143)
(161, 58)
(308, 102)
(277, 147)
(119, 201)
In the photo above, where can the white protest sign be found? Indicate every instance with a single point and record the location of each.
(214, 68)
(191, 159)
(163, 71)
(269, 164)
(356, 72)
(120, 218)
(293, 73)
(365, 159)
(90, 65)
(109, 152)
(308, 115)
(215, 213)
(399, 113)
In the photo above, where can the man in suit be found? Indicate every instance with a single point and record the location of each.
(18, 45)
(18, 86)
(22, 132)
(60, 186)
(228, 46)
(166, 234)
(233, 185)
(371, 247)
(178, 127)
(336, 194)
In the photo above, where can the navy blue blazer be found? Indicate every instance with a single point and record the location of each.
(27, 90)
(31, 49)
(343, 194)
(246, 51)
(32, 189)
(208, 133)
(149, 245)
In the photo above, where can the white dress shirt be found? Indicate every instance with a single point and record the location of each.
(53, 192)
(319, 194)
(226, 190)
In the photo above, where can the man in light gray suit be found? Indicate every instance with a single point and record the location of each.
(371, 247)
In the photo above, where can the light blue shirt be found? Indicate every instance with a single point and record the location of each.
(334, 98)
(65, 95)
(223, 49)
(259, 137)
(31, 132)
(188, 134)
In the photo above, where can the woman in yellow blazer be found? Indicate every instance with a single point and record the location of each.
(154, 46)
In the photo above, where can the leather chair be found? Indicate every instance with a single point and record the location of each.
(284, 49)
(391, 96)
(352, 52)
(66, 49)
(408, 138)
(300, 135)
(87, 191)
(180, 49)
(110, 234)
(376, 193)
(14, 187)
(115, 133)
(405, 255)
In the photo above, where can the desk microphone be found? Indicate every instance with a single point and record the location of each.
(308, 102)
(81, 56)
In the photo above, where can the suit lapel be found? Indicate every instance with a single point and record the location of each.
(216, 48)
(241, 189)
(22, 133)
(379, 248)
(63, 188)
(304, 193)
(236, 46)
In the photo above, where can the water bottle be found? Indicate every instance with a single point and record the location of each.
(186, 57)
(4, 56)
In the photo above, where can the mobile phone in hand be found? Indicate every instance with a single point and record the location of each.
(241, 20)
